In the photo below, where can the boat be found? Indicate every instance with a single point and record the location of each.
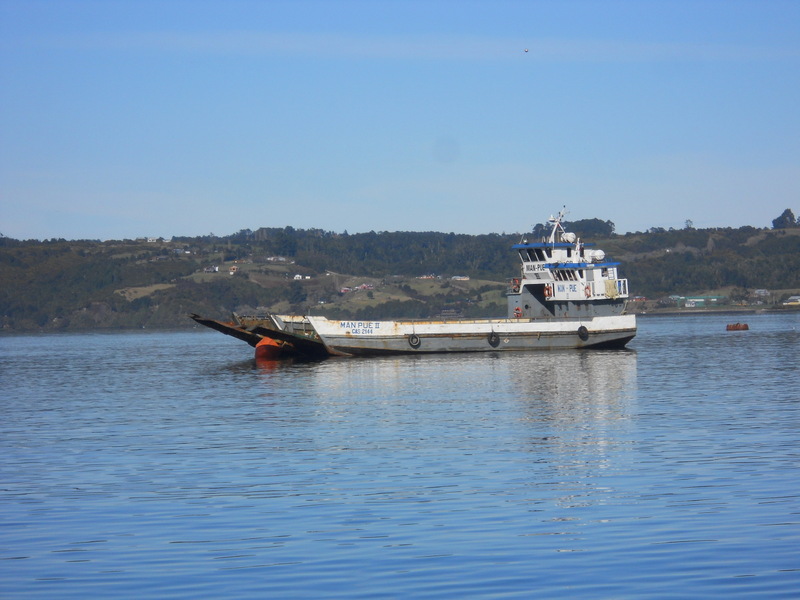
(567, 296)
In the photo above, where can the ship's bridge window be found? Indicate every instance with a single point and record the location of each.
(564, 275)
(533, 255)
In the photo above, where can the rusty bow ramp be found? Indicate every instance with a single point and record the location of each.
(229, 328)
(291, 344)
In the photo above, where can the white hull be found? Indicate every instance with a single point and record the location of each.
(478, 335)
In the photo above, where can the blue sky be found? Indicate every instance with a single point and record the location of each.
(122, 119)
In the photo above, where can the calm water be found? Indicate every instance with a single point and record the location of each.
(169, 465)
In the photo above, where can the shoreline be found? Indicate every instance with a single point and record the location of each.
(716, 311)
(658, 312)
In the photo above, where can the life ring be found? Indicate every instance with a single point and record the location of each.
(588, 291)
(518, 312)
(413, 340)
(548, 291)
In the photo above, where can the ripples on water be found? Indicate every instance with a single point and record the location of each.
(170, 465)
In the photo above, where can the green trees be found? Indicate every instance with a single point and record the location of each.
(786, 220)
(296, 294)
(591, 228)
(585, 228)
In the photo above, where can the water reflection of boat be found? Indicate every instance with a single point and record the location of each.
(567, 296)
(589, 381)
(579, 415)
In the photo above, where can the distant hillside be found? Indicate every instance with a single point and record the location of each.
(71, 285)
(707, 260)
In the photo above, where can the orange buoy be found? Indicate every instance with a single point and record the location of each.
(737, 327)
(269, 349)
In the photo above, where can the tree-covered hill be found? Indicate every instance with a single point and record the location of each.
(698, 261)
(68, 285)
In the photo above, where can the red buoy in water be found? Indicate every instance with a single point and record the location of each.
(269, 349)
